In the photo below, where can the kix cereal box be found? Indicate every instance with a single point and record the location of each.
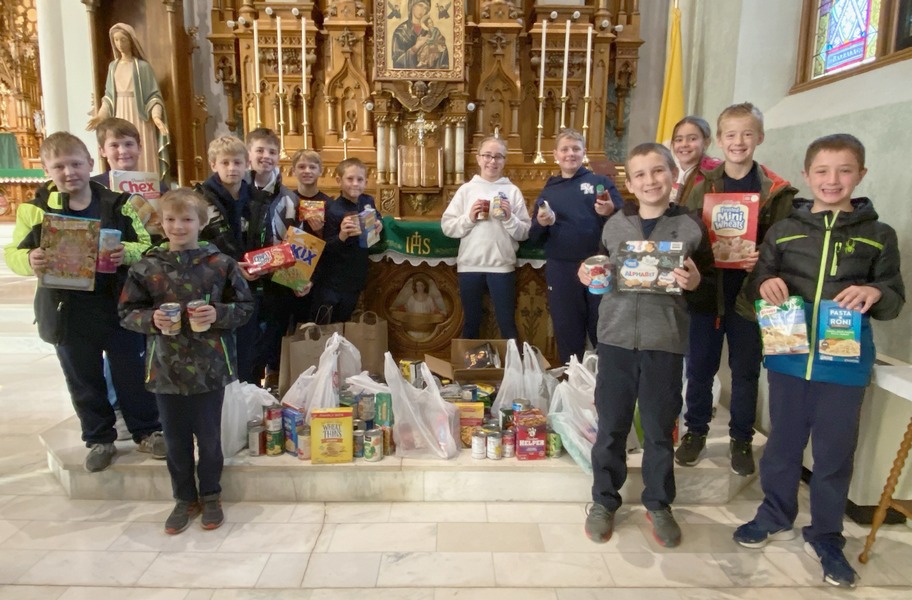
(331, 435)
(838, 333)
(306, 249)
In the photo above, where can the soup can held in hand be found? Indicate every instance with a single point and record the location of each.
(484, 213)
(108, 241)
(194, 324)
(599, 270)
(173, 311)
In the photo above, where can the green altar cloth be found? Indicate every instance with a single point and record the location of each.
(9, 152)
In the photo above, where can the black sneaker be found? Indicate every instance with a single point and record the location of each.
(599, 523)
(836, 569)
(754, 535)
(742, 457)
(691, 449)
(213, 516)
(665, 529)
(100, 457)
(179, 519)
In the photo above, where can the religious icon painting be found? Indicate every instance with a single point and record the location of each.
(420, 40)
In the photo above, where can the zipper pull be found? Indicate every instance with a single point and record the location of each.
(837, 248)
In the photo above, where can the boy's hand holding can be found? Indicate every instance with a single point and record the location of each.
(688, 276)
(202, 315)
(167, 318)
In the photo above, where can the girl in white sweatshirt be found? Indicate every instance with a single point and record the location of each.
(489, 216)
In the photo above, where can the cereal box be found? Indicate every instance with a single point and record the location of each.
(471, 415)
(732, 223)
(331, 435)
(370, 224)
(292, 421)
(783, 328)
(267, 260)
(838, 333)
(647, 266)
(71, 247)
(306, 249)
(311, 209)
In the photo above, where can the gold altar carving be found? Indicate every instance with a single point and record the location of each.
(21, 111)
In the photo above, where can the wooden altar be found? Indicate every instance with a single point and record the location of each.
(339, 77)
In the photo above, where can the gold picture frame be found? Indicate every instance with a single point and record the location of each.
(420, 40)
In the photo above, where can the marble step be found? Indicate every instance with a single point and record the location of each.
(136, 476)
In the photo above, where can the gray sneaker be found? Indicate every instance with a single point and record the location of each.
(213, 516)
(664, 527)
(100, 457)
(599, 523)
(153, 444)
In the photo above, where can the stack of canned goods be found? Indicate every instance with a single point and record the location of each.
(275, 435)
(256, 437)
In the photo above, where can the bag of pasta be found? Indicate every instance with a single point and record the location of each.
(784, 327)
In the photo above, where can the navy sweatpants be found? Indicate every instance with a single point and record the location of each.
(81, 359)
(184, 417)
(574, 311)
(624, 376)
(829, 413)
(280, 311)
(502, 287)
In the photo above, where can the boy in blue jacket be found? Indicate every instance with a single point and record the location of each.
(580, 201)
(835, 248)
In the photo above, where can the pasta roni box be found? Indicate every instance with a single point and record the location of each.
(331, 435)
(646, 266)
(306, 249)
(732, 223)
(838, 333)
(783, 328)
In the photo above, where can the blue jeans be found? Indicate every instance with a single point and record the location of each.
(502, 287)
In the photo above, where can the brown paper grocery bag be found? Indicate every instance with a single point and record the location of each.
(301, 349)
(369, 334)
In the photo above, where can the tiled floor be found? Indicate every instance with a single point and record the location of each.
(52, 547)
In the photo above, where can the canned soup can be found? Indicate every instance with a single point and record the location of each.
(373, 445)
(479, 441)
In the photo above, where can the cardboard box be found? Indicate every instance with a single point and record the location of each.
(307, 250)
(292, 421)
(531, 442)
(471, 415)
(454, 367)
(647, 265)
(731, 220)
(331, 435)
(838, 333)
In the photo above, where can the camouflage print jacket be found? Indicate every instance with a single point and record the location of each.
(187, 363)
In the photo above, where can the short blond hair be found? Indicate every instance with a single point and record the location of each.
(737, 111)
(227, 144)
(184, 200)
(310, 156)
(60, 143)
(350, 162)
(570, 134)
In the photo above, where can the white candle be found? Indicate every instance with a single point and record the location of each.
(256, 55)
(304, 53)
(279, 38)
(588, 60)
(566, 60)
(541, 76)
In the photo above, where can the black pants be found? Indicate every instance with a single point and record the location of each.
(280, 311)
(502, 288)
(332, 306)
(829, 413)
(83, 367)
(653, 377)
(184, 417)
(246, 339)
(574, 311)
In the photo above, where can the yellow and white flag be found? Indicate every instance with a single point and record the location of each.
(672, 108)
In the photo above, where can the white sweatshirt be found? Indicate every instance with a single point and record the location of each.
(487, 246)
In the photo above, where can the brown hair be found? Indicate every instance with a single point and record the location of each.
(834, 143)
(184, 200)
(263, 134)
(650, 148)
(116, 128)
(349, 162)
(62, 142)
(698, 122)
(570, 134)
(310, 156)
(735, 111)
(227, 144)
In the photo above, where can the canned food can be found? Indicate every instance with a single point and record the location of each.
(389, 446)
(367, 407)
(479, 444)
(256, 440)
(273, 417)
(554, 447)
(358, 425)
(304, 442)
(509, 443)
(470, 392)
(275, 443)
(489, 429)
(108, 241)
(493, 422)
(358, 443)
(495, 446)
(497, 209)
(373, 445)
(521, 404)
(173, 310)
(192, 306)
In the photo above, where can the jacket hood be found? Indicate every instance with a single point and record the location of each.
(558, 179)
(501, 181)
(163, 253)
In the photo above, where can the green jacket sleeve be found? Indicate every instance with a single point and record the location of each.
(28, 217)
(133, 251)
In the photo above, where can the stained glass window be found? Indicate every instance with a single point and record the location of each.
(846, 35)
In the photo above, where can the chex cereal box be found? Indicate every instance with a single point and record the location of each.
(647, 266)
(838, 333)
(331, 435)
(732, 223)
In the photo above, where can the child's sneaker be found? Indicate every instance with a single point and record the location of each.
(599, 523)
(836, 569)
(691, 449)
(153, 444)
(754, 535)
(665, 529)
(100, 457)
(179, 519)
(213, 517)
(742, 457)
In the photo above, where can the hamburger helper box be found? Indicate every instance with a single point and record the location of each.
(531, 434)
(732, 223)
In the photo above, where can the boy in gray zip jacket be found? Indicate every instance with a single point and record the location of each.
(642, 338)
